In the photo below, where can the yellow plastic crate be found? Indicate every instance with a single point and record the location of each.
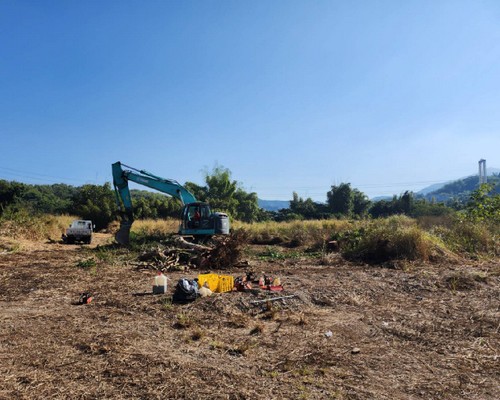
(226, 284)
(211, 279)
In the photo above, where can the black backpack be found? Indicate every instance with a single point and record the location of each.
(185, 291)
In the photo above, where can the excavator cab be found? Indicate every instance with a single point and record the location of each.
(196, 215)
(198, 220)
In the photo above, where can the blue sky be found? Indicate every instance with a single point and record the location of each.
(289, 95)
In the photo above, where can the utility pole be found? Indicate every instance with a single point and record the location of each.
(482, 171)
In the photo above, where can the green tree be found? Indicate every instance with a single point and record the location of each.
(307, 208)
(247, 209)
(225, 194)
(484, 204)
(422, 207)
(221, 190)
(199, 192)
(143, 209)
(9, 193)
(402, 204)
(382, 208)
(406, 203)
(45, 199)
(340, 199)
(154, 205)
(360, 203)
(96, 203)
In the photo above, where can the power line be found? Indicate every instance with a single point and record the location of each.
(36, 176)
(278, 191)
(355, 185)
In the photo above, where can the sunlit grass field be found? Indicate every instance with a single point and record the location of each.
(23, 225)
(372, 239)
(395, 237)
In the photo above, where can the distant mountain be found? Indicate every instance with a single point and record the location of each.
(441, 192)
(436, 188)
(432, 188)
(491, 171)
(461, 188)
(379, 198)
(273, 205)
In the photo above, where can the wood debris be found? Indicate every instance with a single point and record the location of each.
(222, 253)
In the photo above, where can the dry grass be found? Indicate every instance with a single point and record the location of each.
(431, 221)
(465, 237)
(295, 233)
(393, 238)
(396, 237)
(429, 333)
(380, 240)
(22, 225)
(156, 226)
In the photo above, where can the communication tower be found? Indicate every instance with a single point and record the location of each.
(482, 171)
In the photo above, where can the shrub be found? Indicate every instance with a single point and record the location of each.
(21, 224)
(156, 226)
(484, 205)
(96, 203)
(469, 238)
(429, 222)
(313, 234)
(397, 237)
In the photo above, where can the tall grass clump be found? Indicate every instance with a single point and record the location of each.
(470, 238)
(152, 232)
(21, 224)
(384, 239)
(155, 227)
(294, 233)
(392, 238)
(429, 222)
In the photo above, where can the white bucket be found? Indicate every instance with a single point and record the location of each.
(160, 284)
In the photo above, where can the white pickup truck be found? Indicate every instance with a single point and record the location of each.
(79, 231)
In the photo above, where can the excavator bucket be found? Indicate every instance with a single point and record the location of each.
(123, 234)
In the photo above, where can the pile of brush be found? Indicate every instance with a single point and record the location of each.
(222, 252)
(225, 253)
(165, 259)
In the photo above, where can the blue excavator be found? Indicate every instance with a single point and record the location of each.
(197, 219)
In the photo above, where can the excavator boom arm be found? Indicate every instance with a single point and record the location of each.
(169, 186)
(121, 177)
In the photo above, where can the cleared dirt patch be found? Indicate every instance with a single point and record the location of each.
(352, 332)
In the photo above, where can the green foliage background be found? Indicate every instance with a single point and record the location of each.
(98, 202)
(225, 194)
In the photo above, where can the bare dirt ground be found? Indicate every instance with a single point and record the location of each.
(352, 332)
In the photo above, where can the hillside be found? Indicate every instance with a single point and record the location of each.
(438, 186)
(432, 188)
(460, 189)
